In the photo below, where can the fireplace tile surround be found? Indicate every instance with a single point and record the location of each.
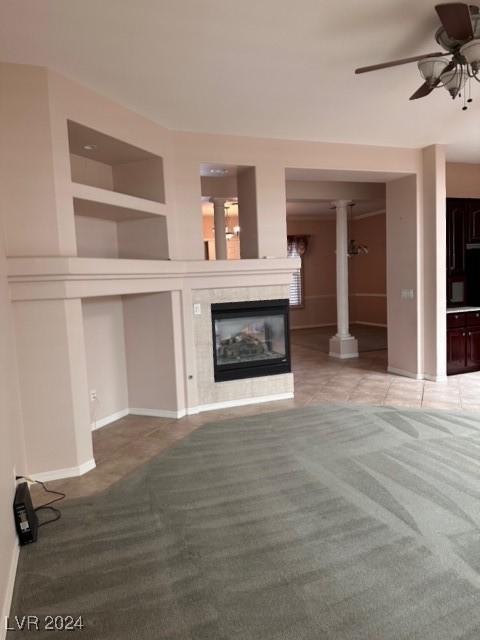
(231, 392)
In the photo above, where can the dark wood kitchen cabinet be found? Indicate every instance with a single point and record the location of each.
(473, 348)
(457, 214)
(463, 342)
(455, 351)
(473, 221)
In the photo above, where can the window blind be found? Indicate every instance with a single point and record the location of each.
(296, 250)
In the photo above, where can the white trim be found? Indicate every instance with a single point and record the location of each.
(427, 376)
(98, 424)
(370, 324)
(69, 472)
(380, 212)
(7, 603)
(406, 374)
(343, 356)
(240, 402)
(158, 413)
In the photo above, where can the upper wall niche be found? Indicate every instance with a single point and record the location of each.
(99, 160)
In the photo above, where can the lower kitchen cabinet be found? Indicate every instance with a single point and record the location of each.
(473, 348)
(456, 351)
(463, 342)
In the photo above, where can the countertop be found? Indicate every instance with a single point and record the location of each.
(462, 309)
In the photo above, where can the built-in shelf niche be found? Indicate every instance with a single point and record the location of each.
(109, 231)
(101, 161)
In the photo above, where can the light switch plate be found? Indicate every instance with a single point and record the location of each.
(197, 309)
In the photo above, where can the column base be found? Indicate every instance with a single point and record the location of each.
(343, 348)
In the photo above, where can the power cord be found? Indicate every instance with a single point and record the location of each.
(47, 505)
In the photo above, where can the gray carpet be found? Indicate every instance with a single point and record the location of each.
(333, 522)
(369, 338)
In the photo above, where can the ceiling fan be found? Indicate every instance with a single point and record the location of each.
(459, 35)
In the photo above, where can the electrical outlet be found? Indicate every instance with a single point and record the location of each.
(93, 395)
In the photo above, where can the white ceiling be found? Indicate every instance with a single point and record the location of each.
(269, 68)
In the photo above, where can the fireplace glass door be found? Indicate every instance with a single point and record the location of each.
(250, 339)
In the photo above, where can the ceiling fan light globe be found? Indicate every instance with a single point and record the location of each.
(471, 52)
(454, 80)
(432, 68)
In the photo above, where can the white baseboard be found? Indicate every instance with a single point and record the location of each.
(158, 413)
(241, 402)
(343, 356)
(69, 472)
(426, 376)
(7, 603)
(406, 374)
(98, 424)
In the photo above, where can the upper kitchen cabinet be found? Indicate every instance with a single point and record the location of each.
(473, 221)
(457, 213)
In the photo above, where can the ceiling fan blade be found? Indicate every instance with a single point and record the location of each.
(422, 91)
(428, 87)
(396, 63)
(456, 19)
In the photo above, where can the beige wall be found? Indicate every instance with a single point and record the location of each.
(462, 180)
(404, 341)
(96, 238)
(270, 159)
(248, 213)
(105, 352)
(28, 194)
(11, 439)
(368, 273)
(53, 384)
(434, 249)
(154, 365)
(91, 172)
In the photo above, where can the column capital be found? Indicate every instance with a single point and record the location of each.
(219, 201)
(341, 204)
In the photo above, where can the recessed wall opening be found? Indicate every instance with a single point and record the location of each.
(99, 160)
(118, 197)
(229, 203)
(106, 231)
(132, 363)
(313, 202)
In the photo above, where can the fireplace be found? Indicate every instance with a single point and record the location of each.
(250, 339)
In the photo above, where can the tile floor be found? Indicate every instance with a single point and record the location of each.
(130, 442)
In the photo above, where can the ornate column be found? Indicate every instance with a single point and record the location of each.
(342, 345)
(219, 223)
